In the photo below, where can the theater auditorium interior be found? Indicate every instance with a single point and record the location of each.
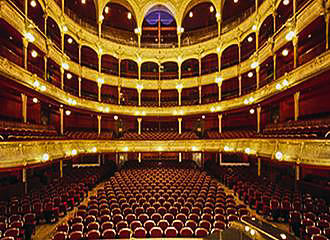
(177, 119)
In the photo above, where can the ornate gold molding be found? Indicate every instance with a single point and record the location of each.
(301, 151)
(297, 76)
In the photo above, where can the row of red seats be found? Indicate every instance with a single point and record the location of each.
(88, 135)
(231, 134)
(159, 136)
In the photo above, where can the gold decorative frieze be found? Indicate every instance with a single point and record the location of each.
(301, 151)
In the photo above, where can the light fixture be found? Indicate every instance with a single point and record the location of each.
(137, 30)
(94, 149)
(235, 1)
(252, 232)
(74, 152)
(203, 116)
(211, 9)
(36, 83)
(35, 100)
(247, 228)
(68, 112)
(139, 59)
(34, 53)
(218, 49)
(289, 36)
(125, 149)
(191, 14)
(129, 15)
(254, 28)
(254, 64)
(107, 109)
(143, 113)
(194, 148)
(115, 117)
(100, 80)
(139, 86)
(181, 112)
(218, 15)
(286, 2)
(212, 109)
(250, 74)
(246, 101)
(106, 10)
(247, 150)
(101, 18)
(69, 76)
(283, 236)
(137, 113)
(278, 86)
(252, 111)
(29, 37)
(226, 148)
(285, 83)
(279, 155)
(70, 40)
(251, 99)
(65, 28)
(43, 88)
(218, 79)
(250, 39)
(83, 1)
(285, 52)
(33, 3)
(65, 66)
(179, 86)
(45, 157)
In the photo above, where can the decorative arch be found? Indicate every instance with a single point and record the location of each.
(150, 70)
(229, 56)
(266, 29)
(128, 5)
(169, 70)
(71, 47)
(128, 69)
(190, 68)
(89, 57)
(37, 15)
(109, 64)
(210, 63)
(248, 46)
(231, 10)
(53, 31)
(87, 12)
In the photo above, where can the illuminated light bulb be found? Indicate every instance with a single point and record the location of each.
(250, 74)
(279, 155)
(254, 27)
(218, 79)
(253, 232)
(106, 10)
(226, 148)
(68, 112)
(212, 109)
(65, 66)
(33, 3)
(285, 52)
(139, 86)
(286, 2)
(65, 28)
(83, 1)
(250, 39)
(74, 102)
(129, 15)
(36, 83)
(203, 116)
(278, 86)
(43, 88)
(247, 150)
(125, 149)
(235, 1)
(139, 59)
(247, 228)
(101, 18)
(94, 149)
(289, 36)
(191, 14)
(35, 100)
(179, 86)
(136, 30)
(100, 80)
(246, 101)
(45, 157)
(115, 117)
(175, 112)
(34, 53)
(70, 40)
(74, 152)
(252, 111)
(29, 37)
(69, 76)
(143, 113)
(137, 113)
(211, 9)
(285, 83)
(181, 112)
(251, 99)
(107, 109)
(254, 64)
(218, 49)
(193, 148)
(218, 108)
(283, 236)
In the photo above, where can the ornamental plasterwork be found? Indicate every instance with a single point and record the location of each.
(302, 151)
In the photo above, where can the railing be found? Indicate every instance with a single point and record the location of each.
(312, 53)
(200, 35)
(229, 24)
(11, 55)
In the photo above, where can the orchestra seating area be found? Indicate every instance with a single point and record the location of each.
(307, 215)
(154, 200)
(231, 134)
(73, 134)
(20, 214)
(150, 135)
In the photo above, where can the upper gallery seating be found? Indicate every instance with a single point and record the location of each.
(231, 134)
(154, 135)
(158, 201)
(10, 130)
(316, 128)
(20, 214)
(74, 134)
(307, 215)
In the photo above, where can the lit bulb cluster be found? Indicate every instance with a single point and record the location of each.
(72, 101)
(37, 84)
(284, 84)
(248, 100)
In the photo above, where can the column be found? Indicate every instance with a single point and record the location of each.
(79, 86)
(258, 76)
(220, 123)
(45, 21)
(296, 105)
(219, 91)
(200, 94)
(179, 95)
(79, 54)
(139, 125)
(259, 166)
(274, 20)
(180, 157)
(24, 180)
(139, 96)
(99, 124)
(24, 107)
(257, 39)
(62, 39)
(274, 65)
(179, 36)
(119, 88)
(26, 7)
(297, 172)
(326, 30)
(62, 78)
(258, 118)
(99, 91)
(295, 51)
(240, 85)
(61, 120)
(99, 58)
(218, 16)
(239, 51)
(159, 97)
(45, 68)
(180, 125)
(179, 70)
(25, 51)
(61, 168)
(100, 26)
(139, 157)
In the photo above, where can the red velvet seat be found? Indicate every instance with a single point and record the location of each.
(163, 224)
(171, 232)
(140, 232)
(205, 224)
(192, 224)
(156, 232)
(109, 234)
(76, 235)
(125, 233)
(135, 224)
(60, 236)
(201, 232)
(186, 232)
(148, 225)
(93, 235)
